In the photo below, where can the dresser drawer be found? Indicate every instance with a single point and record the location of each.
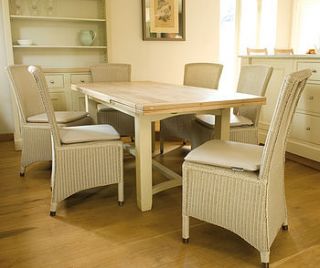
(80, 78)
(314, 66)
(306, 127)
(55, 81)
(310, 99)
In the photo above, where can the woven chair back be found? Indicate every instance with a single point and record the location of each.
(257, 51)
(253, 79)
(283, 51)
(42, 87)
(111, 72)
(25, 92)
(205, 75)
(275, 146)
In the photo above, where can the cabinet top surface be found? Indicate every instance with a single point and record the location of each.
(302, 56)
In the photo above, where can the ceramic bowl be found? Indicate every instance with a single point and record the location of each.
(24, 42)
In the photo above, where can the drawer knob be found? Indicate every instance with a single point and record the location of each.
(314, 71)
(308, 128)
(311, 98)
(82, 81)
(51, 82)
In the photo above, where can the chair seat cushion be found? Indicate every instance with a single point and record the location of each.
(61, 117)
(101, 107)
(235, 120)
(89, 133)
(227, 154)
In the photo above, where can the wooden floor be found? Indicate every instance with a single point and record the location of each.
(90, 230)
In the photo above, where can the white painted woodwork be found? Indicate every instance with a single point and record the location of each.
(152, 101)
(222, 128)
(304, 135)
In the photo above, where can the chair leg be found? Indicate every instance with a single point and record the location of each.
(185, 229)
(161, 145)
(22, 171)
(285, 223)
(265, 255)
(120, 194)
(53, 209)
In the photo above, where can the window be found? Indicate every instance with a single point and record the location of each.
(244, 23)
(258, 20)
(227, 42)
(306, 31)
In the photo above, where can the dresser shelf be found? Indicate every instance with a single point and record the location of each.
(65, 47)
(47, 18)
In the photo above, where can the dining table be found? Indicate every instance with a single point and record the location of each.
(148, 102)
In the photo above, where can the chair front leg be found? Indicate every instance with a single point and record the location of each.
(185, 229)
(265, 255)
(120, 194)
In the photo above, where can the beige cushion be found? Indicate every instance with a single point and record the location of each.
(227, 154)
(235, 120)
(88, 133)
(61, 117)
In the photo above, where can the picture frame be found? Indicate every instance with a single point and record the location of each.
(163, 20)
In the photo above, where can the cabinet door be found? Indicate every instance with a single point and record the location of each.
(306, 128)
(58, 101)
(310, 99)
(78, 99)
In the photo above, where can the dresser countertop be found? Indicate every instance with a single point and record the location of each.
(302, 56)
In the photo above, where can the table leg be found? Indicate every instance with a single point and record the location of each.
(143, 162)
(222, 125)
(91, 108)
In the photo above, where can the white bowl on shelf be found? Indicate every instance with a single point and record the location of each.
(24, 42)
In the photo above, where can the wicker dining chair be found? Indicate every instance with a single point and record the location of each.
(283, 51)
(84, 157)
(35, 130)
(239, 186)
(257, 51)
(205, 75)
(253, 79)
(113, 72)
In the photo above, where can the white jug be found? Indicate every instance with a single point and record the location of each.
(87, 37)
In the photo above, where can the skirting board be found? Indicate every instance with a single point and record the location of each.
(303, 161)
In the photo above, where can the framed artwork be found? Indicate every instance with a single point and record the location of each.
(163, 20)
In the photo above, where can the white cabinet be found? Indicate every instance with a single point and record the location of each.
(304, 138)
(51, 32)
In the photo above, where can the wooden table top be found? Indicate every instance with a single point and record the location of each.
(146, 97)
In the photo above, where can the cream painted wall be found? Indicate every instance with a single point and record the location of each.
(6, 118)
(162, 60)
